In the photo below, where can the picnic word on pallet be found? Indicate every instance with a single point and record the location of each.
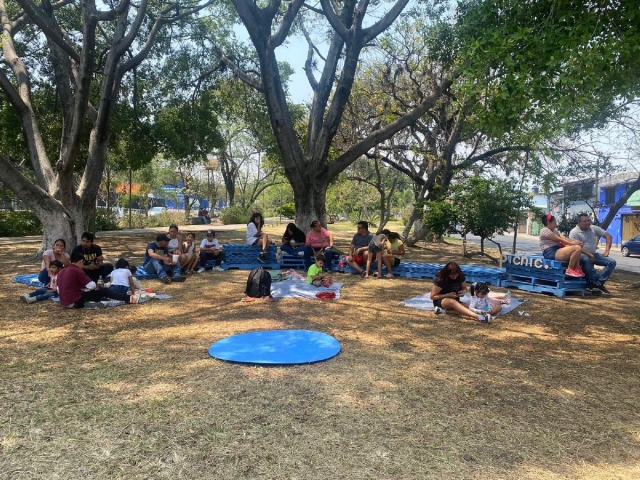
(535, 273)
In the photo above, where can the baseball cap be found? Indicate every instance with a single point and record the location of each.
(211, 233)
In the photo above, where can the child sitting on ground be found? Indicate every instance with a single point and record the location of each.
(481, 303)
(315, 275)
(50, 291)
(121, 281)
(134, 270)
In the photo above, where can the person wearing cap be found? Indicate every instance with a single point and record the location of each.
(210, 250)
(158, 261)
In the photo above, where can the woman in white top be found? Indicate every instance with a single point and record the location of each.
(256, 237)
(188, 257)
(122, 281)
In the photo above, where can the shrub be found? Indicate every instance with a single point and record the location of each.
(18, 224)
(106, 221)
(287, 210)
(165, 219)
(235, 214)
(137, 220)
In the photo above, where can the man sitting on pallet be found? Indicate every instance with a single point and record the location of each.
(359, 249)
(590, 236)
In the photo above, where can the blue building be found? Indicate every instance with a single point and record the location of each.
(626, 223)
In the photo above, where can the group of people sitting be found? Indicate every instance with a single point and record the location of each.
(579, 249)
(366, 248)
(79, 278)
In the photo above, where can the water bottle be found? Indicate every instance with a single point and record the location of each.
(100, 284)
(341, 263)
(508, 297)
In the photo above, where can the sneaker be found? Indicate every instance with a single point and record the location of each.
(603, 289)
(262, 258)
(218, 269)
(572, 272)
(27, 299)
(439, 310)
(490, 318)
(200, 270)
(179, 279)
(94, 305)
(484, 318)
(166, 279)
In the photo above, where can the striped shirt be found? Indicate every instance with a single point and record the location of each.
(545, 241)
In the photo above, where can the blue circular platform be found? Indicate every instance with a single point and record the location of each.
(276, 347)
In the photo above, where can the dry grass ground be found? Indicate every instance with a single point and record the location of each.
(130, 392)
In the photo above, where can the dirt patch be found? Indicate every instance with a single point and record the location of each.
(130, 392)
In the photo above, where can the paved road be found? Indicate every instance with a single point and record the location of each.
(529, 244)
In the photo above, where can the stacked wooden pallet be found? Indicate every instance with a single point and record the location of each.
(245, 257)
(534, 273)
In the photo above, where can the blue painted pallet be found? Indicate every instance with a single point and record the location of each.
(558, 292)
(239, 256)
(519, 260)
(568, 282)
(250, 266)
(291, 261)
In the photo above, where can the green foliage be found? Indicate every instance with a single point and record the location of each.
(555, 65)
(235, 214)
(18, 224)
(166, 218)
(440, 216)
(287, 210)
(479, 206)
(106, 221)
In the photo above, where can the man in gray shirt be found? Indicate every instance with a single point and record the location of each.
(359, 249)
(590, 236)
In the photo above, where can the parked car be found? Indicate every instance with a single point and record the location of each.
(156, 211)
(631, 247)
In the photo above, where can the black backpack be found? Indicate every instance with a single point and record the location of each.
(258, 283)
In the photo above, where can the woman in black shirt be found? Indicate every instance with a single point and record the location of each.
(449, 286)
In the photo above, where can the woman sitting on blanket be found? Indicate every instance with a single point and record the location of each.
(56, 253)
(293, 240)
(449, 286)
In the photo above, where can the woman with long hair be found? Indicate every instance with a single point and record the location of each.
(256, 237)
(293, 240)
(449, 286)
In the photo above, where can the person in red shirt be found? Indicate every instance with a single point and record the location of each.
(75, 288)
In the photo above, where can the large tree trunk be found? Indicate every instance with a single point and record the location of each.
(310, 205)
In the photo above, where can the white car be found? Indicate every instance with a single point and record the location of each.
(156, 211)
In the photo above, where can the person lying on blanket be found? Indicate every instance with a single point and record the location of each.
(315, 275)
(449, 286)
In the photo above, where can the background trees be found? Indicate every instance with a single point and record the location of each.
(83, 54)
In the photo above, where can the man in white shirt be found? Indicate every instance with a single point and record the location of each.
(590, 236)
(210, 250)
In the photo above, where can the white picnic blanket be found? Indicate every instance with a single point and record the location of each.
(423, 302)
(299, 288)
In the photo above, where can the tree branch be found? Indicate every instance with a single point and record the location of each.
(52, 31)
